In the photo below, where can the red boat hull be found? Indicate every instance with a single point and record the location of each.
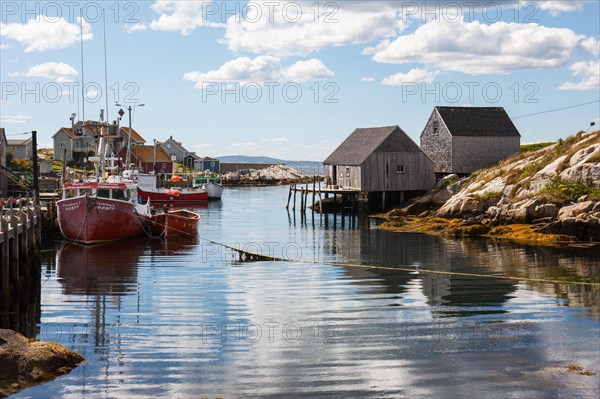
(96, 220)
(175, 223)
(200, 196)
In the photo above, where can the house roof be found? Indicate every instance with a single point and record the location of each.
(207, 159)
(145, 153)
(69, 131)
(18, 142)
(365, 141)
(134, 135)
(172, 141)
(478, 121)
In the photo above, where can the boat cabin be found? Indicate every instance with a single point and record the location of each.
(115, 191)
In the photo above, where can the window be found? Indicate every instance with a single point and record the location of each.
(347, 171)
(399, 168)
(436, 128)
(62, 144)
(103, 193)
(119, 194)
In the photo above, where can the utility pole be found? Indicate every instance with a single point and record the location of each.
(36, 181)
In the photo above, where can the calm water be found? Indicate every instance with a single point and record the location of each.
(185, 319)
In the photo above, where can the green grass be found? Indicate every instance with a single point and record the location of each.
(561, 191)
(536, 146)
(490, 197)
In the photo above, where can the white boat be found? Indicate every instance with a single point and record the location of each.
(211, 183)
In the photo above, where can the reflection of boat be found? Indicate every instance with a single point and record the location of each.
(99, 269)
(173, 223)
(211, 183)
(149, 190)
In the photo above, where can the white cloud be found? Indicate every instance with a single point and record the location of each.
(275, 140)
(413, 76)
(5, 46)
(181, 16)
(307, 70)
(367, 79)
(260, 69)
(555, 7)
(45, 34)
(137, 27)
(341, 24)
(58, 71)
(589, 71)
(14, 118)
(591, 45)
(475, 48)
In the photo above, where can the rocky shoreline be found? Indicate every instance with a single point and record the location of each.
(27, 362)
(273, 175)
(545, 197)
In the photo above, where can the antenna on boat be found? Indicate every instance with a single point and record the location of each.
(105, 68)
(82, 79)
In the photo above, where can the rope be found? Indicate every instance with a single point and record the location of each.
(400, 268)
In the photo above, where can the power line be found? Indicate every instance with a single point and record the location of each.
(557, 109)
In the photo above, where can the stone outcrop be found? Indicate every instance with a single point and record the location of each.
(26, 362)
(538, 187)
(275, 174)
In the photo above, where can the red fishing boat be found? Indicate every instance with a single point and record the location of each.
(173, 223)
(148, 190)
(95, 212)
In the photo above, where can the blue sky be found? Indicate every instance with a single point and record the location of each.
(292, 79)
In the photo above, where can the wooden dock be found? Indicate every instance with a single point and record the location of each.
(20, 241)
(315, 189)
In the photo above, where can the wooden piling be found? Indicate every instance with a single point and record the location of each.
(295, 192)
(314, 193)
(4, 274)
(287, 206)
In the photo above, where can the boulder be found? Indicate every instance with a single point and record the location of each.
(442, 196)
(446, 181)
(25, 362)
(419, 205)
(575, 209)
(470, 206)
(545, 211)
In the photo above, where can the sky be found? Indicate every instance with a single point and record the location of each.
(292, 79)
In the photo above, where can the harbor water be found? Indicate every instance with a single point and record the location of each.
(440, 318)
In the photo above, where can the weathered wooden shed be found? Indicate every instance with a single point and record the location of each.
(462, 140)
(380, 159)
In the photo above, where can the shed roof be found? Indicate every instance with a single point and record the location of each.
(365, 141)
(478, 121)
(15, 142)
(145, 153)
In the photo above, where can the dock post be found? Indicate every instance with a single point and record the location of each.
(314, 193)
(306, 198)
(301, 199)
(295, 192)
(383, 200)
(287, 206)
(14, 261)
(5, 255)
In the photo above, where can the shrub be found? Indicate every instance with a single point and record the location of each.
(560, 191)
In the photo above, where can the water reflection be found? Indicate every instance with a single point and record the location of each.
(171, 319)
(109, 269)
